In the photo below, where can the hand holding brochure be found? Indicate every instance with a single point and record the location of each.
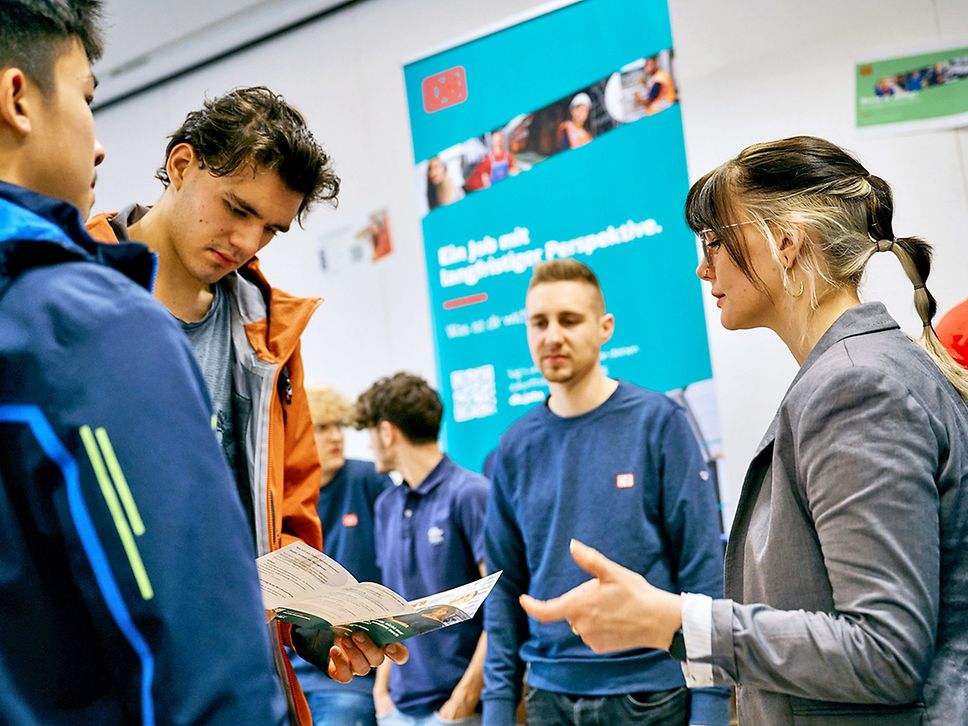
(303, 586)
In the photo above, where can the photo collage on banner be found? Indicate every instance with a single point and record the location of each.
(559, 135)
(641, 88)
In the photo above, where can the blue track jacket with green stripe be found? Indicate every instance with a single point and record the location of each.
(128, 592)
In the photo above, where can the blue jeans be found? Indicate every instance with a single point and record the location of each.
(395, 718)
(341, 708)
(661, 708)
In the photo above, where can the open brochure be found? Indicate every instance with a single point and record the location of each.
(303, 586)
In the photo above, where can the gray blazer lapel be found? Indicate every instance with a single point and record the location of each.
(756, 474)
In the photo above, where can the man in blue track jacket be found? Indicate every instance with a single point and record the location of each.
(123, 549)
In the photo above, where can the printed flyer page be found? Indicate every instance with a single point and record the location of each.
(303, 586)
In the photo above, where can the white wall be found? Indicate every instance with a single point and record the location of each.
(763, 69)
(748, 71)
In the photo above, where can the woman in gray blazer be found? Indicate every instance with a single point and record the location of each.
(847, 565)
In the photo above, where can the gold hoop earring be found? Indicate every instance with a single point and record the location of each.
(786, 287)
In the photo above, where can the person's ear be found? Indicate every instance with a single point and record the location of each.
(15, 101)
(182, 160)
(607, 326)
(387, 433)
(790, 246)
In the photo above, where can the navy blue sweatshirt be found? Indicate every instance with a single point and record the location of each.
(626, 478)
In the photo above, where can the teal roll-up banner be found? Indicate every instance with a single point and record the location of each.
(558, 136)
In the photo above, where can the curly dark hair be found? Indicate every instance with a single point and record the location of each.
(34, 33)
(256, 127)
(405, 400)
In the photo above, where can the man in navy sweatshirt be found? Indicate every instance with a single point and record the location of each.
(617, 467)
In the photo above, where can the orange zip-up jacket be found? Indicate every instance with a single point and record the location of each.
(284, 464)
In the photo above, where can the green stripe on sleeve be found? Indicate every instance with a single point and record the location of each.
(114, 506)
(117, 475)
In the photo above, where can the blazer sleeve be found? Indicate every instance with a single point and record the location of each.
(865, 461)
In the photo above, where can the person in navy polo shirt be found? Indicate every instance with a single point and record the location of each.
(348, 491)
(429, 538)
(613, 465)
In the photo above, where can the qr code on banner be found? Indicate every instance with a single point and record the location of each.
(475, 393)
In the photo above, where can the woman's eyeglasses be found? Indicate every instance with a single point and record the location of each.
(711, 244)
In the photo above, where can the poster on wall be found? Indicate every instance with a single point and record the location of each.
(914, 92)
(357, 244)
(558, 135)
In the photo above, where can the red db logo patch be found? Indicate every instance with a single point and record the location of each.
(625, 481)
(350, 520)
(445, 89)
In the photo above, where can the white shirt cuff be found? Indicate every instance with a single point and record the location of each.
(697, 632)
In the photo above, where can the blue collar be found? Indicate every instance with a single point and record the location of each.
(435, 478)
(37, 230)
(62, 215)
